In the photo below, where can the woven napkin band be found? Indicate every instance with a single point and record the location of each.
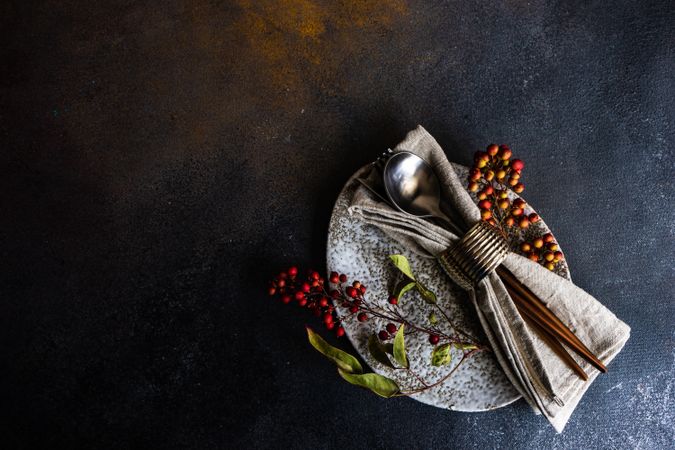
(477, 254)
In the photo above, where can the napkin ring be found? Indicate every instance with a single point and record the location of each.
(477, 254)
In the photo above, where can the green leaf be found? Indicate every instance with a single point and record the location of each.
(466, 346)
(344, 360)
(378, 351)
(427, 295)
(380, 385)
(405, 285)
(399, 347)
(433, 318)
(402, 264)
(441, 355)
(402, 287)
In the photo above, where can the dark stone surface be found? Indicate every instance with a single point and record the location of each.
(160, 160)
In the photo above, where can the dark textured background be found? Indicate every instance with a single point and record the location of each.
(161, 159)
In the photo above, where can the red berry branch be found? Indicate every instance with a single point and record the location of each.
(491, 176)
(313, 293)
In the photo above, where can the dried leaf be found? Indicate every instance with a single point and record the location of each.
(378, 351)
(399, 347)
(380, 385)
(402, 264)
(441, 355)
(344, 360)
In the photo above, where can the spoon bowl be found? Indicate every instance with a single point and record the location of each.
(412, 186)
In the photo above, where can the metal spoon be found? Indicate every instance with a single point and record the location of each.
(413, 187)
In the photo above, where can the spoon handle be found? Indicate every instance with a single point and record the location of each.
(438, 214)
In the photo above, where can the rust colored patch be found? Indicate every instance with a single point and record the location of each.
(296, 42)
(194, 75)
(259, 58)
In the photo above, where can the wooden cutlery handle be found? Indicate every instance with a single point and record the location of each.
(548, 320)
(553, 343)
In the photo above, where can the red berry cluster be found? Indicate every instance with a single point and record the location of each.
(543, 250)
(494, 172)
(389, 331)
(309, 292)
(348, 296)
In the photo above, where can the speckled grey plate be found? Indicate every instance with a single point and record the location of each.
(361, 251)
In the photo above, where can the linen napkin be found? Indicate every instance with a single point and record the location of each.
(542, 378)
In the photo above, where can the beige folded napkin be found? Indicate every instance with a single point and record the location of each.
(543, 379)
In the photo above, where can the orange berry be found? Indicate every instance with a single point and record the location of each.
(503, 204)
(473, 186)
(549, 265)
(538, 243)
(552, 246)
(482, 195)
(526, 247)
(517, 211)
(512, 181)
(548, 256)
(534, 218)
(533, 256)
(504, 152)
(486, 214)
(524, 223)
(515, 175)
(501, 173)
(517, 164)
(510, 221)
(558, 255)
(548, 237)
(492, 149)
(519, 203)
(502, 194)
(489, 175)
(484, 204)
(518, 188)
(488, 190)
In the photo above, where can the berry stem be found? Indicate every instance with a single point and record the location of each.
(465, 356)
(454, 326)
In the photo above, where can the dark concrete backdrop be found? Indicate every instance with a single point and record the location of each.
(160, 160)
